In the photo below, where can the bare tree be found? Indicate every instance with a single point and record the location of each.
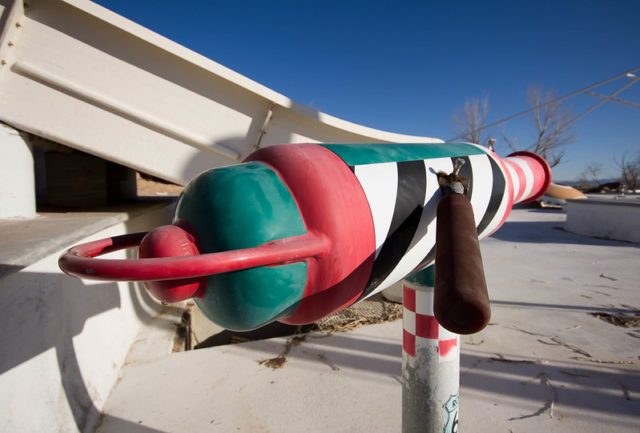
(590, 174)
(629, 171)
(470, 122)
(553, 124)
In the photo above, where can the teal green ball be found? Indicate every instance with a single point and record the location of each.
(238, 207)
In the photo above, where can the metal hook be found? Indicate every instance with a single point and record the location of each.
(458, 165)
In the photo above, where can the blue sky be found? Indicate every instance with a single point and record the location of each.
(406, 66)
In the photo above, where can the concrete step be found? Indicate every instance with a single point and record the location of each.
(341, 382)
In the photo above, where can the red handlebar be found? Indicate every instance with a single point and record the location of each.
(79, 261)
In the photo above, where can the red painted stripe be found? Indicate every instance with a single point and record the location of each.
(541, 174)
(427, 326)
(445, 346)
(409, 298)
(331, 202)
(509, 191)
(408, 343)
(522, 179)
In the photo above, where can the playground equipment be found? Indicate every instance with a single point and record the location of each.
(298, 232)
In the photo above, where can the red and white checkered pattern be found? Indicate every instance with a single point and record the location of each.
(420, 327)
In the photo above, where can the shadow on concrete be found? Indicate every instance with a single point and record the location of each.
(125, 426)
(272, 330)
(6, 269)
(47, 314)
(344, 350)
(41, 311)
(545, 232)
(587, 309)
(357, 353)
(592, 389)
(349, 341)
(44, 311)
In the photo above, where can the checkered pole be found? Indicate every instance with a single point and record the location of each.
(430, 362)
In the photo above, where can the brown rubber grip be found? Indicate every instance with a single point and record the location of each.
(461, 301)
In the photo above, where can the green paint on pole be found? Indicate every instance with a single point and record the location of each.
(423, 277)
(237, 207)
(360, 154)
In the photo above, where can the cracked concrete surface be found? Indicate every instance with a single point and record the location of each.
(545, 362)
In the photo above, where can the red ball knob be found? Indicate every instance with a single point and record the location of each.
(171, 241)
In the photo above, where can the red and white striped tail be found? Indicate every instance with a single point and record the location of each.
(420, 327)
(530, 175)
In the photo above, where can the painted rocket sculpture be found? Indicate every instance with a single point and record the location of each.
(298, 232)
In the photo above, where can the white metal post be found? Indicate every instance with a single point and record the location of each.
(430, 362)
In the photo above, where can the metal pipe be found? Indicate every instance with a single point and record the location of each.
(430, 362)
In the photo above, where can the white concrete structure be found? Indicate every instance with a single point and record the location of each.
(76, 74)
(613, 218)
(112, 88)
(17, 180)
(64, 340)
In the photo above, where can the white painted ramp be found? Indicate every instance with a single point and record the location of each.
(80, 75)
